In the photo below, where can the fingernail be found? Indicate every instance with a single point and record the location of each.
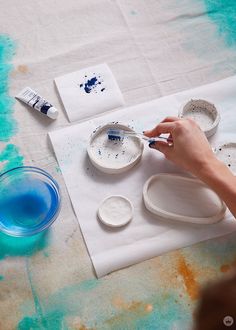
(152, 144)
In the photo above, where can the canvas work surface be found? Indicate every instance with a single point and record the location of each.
(146, 236)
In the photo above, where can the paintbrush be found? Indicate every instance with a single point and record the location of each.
(120, 134)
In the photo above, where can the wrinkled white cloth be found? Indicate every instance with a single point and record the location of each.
(89, 91)
(146, 236)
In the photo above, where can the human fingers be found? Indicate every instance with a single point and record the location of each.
(161, 146)
(162, 128)
(170, 119)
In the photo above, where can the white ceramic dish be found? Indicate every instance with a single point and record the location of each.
(227, 154)
(204, 113)
(114, 156)
(115, 211)
(184, 199)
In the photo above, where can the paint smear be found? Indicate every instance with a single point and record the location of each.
(162, 311)
(8, 125)
(225, 268)
(53, 314)
(223, 14)
(10, 157)
(188, 276)
(92, 85)
(22, 68)
(1, 277)
(22, 246)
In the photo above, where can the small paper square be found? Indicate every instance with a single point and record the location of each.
(89, 91)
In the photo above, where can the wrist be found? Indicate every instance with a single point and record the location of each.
(213, 171)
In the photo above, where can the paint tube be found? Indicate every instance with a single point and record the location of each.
(34, 100)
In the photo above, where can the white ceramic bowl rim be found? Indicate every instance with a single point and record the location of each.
(108, 168)
(165, 214)
(215, 114)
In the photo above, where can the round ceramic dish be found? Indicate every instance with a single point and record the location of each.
(111, 156)
(227, 154)
(203, 113)
(115, 211)
(179, 198)
(29, 201)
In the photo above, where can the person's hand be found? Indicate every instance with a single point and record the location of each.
(189, 148)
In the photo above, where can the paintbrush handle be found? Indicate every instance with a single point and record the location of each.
(144, 137)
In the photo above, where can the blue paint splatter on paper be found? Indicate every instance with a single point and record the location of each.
(92, 85)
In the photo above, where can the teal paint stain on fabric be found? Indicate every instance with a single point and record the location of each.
(52, 313)
(10, 157)
(22, 246)
(8, 125)
(167, 312)
(57, 168)
(1, 277)
(223, 14)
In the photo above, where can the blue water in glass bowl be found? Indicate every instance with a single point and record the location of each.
(29, 201)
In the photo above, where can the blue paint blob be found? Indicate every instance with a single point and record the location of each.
(90, 84)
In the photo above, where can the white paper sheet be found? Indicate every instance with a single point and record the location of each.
(146, 236)
(89, 91)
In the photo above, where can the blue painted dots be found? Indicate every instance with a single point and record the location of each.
(93, 84)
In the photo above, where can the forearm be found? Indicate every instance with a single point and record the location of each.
(220, 179)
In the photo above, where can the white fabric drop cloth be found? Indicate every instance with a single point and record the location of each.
(146, 236)
(89, 91)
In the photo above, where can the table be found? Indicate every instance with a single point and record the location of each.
(154, 48)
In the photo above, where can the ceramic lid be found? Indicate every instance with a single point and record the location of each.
(115, 211)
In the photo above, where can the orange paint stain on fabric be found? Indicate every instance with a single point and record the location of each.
(128, 312)
(22, 68)
(188, 276)
(133, 306)
(225, 268)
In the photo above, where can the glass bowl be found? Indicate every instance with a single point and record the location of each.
(29, 201)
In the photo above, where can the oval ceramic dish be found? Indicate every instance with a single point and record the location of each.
(227, 154)
(183, 199)
(114, 156)
(203, 113)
